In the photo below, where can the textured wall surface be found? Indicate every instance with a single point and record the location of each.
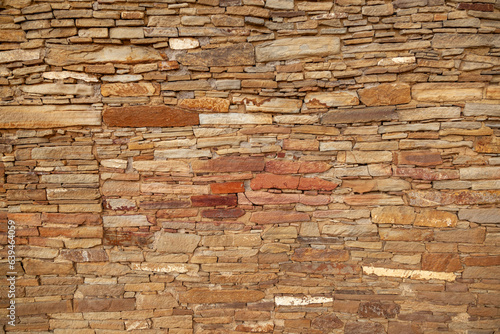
(236, 166)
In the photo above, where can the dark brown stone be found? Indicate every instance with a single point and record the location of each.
(418, 158)
(327, 322)
(373, 114)
(229, 164)
(483, 261)
(403, 327)
(481, 7)
(33, 308)
(223, 213)
(227, 188)
(470, 236)
(157, 116)
(378, 310)
(364, 328)
(26, 195)
(234, 55)
(214, 200)
(125, 238)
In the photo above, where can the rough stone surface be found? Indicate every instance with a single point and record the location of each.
(241, 54)
(149, 116)
(301, 47)
(385, 94)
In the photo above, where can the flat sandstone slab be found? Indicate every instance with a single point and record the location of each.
(299, 47)
(158, 116)
(47, 116)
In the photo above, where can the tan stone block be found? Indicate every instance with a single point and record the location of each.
(447, 92)
(435, 218)
(177, 242)
(207, 296)
(163, 301)
(130, 89)
(331, 99)
(385, 94)
(39, 267)
(298, 47)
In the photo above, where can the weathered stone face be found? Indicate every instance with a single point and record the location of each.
(293, 48)
(149, 116)
(385, 94)
(237, 55)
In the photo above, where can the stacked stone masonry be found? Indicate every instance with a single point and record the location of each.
(251, 166)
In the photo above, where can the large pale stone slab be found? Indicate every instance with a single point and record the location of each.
(125, 221)
(181, 153)
(162, 188)
(235, 118)
(19, 55)
(62, 152)
(480, 216)
(64, 55)
(421, 114)
(447, 92)
(70, 74)
(268, 104)
(299, 47)
(452, 41)
(234, 55)
(360, 115)
(47, 116)
(160, 166)
(331, 99)
(58, 89)
(481, 109)
(177, 242)
(413, 274)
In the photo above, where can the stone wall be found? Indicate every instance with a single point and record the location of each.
(235, 166)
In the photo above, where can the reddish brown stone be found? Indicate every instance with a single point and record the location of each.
(33, 308)
(75, 232)
(28, 219)
(269, 181)
(272, 217)
(403, 327)
(177, 213)
(327, 322)
(124, 238)
(315, 183)
(229, 164)
(487, 144)
(321, 255)
(157, 116)
(104, 305)
(214, 200)
(364, 328)
(385, 94)
(71, 218)
(426, 173)
(481, 7)
(378, 310)
(418, 158)
(313, 167)
(223, 213)
(363, 115)
(155, 205)
(483, 261)
(85, 255)
(489, 299)
(265, 198)
(19, 178)
(282, 167)
(227, 188)
(441, 262)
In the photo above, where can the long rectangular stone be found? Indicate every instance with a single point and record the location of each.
(162, 188)
(235, 118)
(413, 274)
(452, 41)
(19, 55)
(64, 55)
(481, 109)
(182, 153)
(125, 221)
(48, 116)
(157, 116)
(447, 92)
(421, 114)
(297, 47)
(371, 114)
(62, 153)
(59, 89)
(331, 99)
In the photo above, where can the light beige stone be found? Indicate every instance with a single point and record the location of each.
(447, 92)
(268, 104)
(298, 47)
(177, 242)
(184, 43)
(59, 89)
(235, 118)
(331, 99)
